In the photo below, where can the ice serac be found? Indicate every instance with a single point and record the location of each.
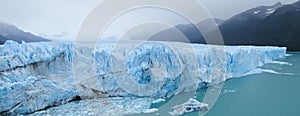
(35, 76)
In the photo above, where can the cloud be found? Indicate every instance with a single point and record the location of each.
(46, 17)
(52, 16)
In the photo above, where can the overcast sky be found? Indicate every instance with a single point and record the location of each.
(59, 19)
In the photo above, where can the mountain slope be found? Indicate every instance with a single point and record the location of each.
(13, 33)
(256, 13)
(219, 21)
(276, 25)
(190, 31)
(237, 30)
(279, 28)
(2, 39)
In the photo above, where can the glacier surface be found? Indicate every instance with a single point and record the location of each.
(36, 76)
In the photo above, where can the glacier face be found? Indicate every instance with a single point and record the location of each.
(159, 69)
(39, 75)
(34, 76)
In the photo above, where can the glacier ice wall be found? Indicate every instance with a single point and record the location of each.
(160, 69)
(34, 76)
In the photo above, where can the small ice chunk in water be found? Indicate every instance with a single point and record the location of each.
(150, 110)
(228, 91)
(190, 106)
(158, 101)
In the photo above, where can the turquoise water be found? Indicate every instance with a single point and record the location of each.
(264, 94)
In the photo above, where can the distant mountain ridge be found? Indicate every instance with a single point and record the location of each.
(2, 39)
(11, 32)
(219, 21)
(276, 25)
(279, 28)
(260, 12)
(190, 31)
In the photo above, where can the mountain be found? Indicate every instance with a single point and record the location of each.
(276, 25)
(2, 39)
(219, 21)
(11, 32)
(253, 14)
(190, 31)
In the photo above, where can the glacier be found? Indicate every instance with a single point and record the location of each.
(36, 76)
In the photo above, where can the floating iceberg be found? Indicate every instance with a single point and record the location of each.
(35, 76)
(158, 101)
(190, 106)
